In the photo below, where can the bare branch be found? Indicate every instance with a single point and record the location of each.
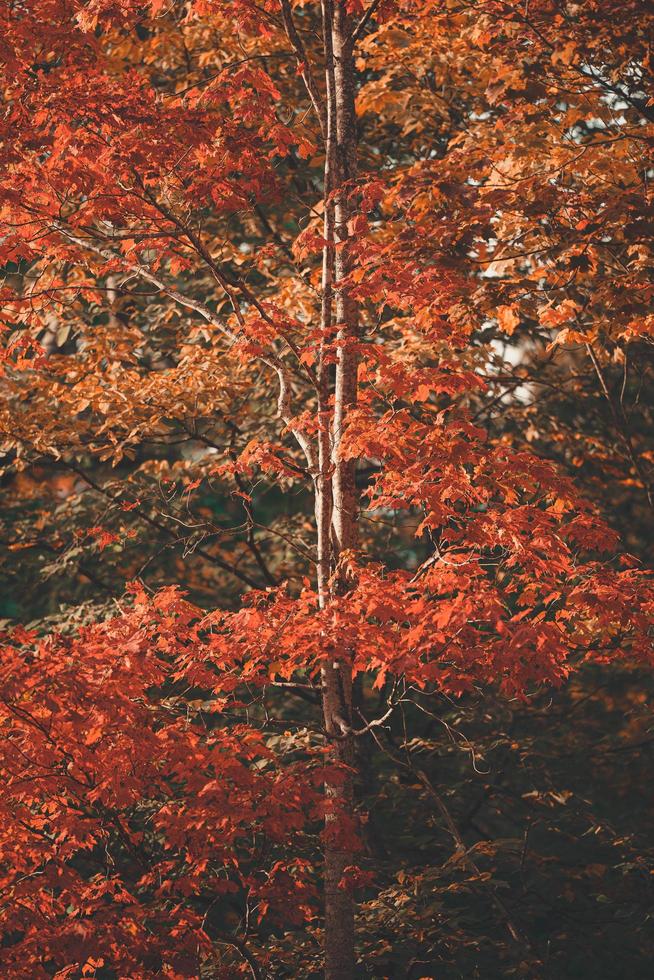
(347, 731)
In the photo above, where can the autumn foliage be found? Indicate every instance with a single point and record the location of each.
(326, 391)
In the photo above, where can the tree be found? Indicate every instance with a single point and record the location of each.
(281, 245)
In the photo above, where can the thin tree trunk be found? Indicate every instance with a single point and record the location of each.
(340, 168)
(347, 314)
(323, 487)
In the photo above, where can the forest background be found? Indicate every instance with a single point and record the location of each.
(326, 442)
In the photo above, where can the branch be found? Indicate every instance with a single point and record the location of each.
(453, 830)
(245, 953)
(304, 65)
(363, 23)
(621, 425)
(422, 776)
(153, 522)
(305, 691)
(580, 70)
(348, 732)
(271, 360)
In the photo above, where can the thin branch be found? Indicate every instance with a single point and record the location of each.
(304, 65)
(621, 425)
(153, 522)
(245, 953)
(348, 732)
(270, 359)
(363, 23)
(453, 830)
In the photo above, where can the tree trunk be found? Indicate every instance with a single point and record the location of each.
(340, 168)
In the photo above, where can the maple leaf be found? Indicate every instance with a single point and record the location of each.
(103, 537)
(508, 319)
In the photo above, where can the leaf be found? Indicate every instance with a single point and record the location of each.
(564, 55)
(508, 319)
